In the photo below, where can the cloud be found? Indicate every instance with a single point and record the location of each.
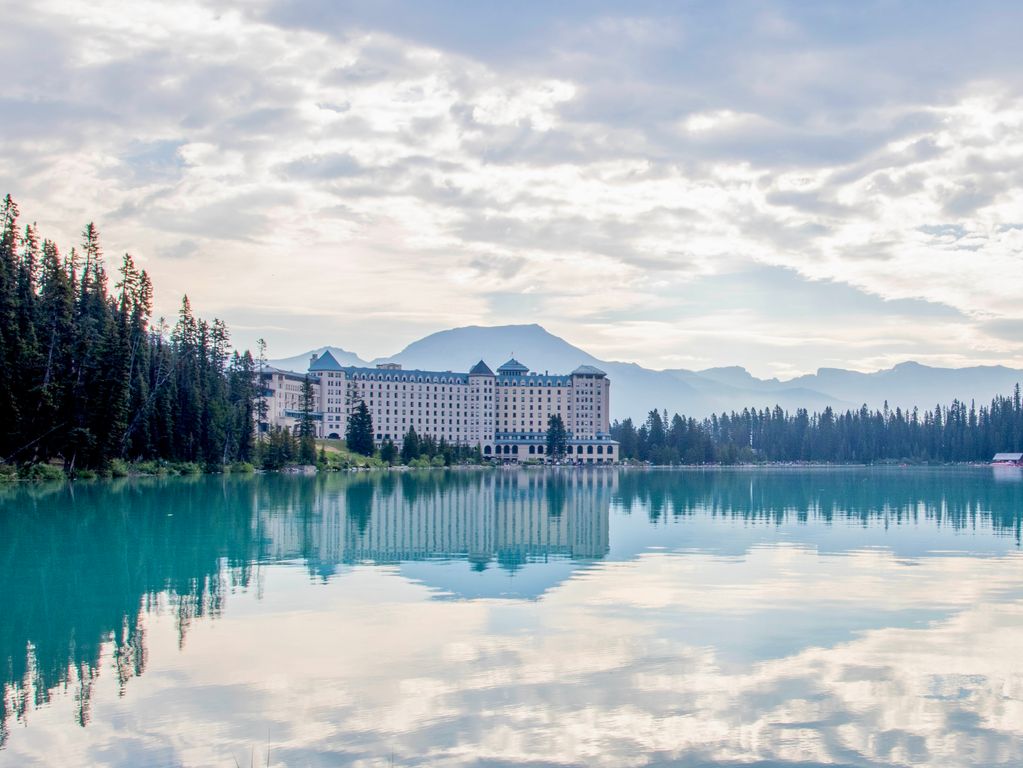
(322, 167)
(180, 250)
(360, 146)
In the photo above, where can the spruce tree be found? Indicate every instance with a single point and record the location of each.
(10, 357)
(306, 427)
(359, 432)
(557, 438)
(410, 448)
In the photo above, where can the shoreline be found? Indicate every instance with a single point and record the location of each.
(53, 473)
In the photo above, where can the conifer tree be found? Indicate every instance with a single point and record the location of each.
(359, 432)
(10, 357)
(410, 447)
(244, 394)
(262, 406)
(306, 427)
(557, 438)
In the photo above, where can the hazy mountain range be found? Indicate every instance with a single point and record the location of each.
(635, 390)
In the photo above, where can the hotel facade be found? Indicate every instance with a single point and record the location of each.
(505, 413)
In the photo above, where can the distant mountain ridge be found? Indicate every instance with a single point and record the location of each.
(636, 390)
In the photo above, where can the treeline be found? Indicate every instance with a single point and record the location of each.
(85, 378)
(282, 447)
(958, 432)
(424, 451)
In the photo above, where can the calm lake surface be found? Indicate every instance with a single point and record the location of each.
(545, 617)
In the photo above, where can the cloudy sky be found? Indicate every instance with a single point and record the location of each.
(778, 185)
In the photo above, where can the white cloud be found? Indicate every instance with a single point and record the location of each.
(341, 172)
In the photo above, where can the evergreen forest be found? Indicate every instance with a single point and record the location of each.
(954, 433)
(87, 378)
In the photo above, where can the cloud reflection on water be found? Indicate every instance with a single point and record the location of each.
(781, 652)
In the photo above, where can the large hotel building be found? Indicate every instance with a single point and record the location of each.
(504, 414)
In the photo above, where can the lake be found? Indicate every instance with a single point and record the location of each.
(600, 617)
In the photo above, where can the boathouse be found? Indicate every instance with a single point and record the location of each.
(1008, 460)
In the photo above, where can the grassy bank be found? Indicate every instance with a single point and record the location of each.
(10, 473)
(332, 456)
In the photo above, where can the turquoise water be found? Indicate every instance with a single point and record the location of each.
(541, 617)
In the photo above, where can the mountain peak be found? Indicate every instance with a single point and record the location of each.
(731, 370)
(458, 348)
(732, 375)
(300, 363)
(636, 390)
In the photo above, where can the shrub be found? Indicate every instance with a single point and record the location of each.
(8, 473)
(85, 474)
(119, 468)
(240, 468)
(42, 472)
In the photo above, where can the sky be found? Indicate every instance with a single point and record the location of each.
(778, 185)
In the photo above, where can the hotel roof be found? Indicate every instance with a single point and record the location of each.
(326, 362)
(481, 369)
(269, 370)
(405, 374)
(511, 373)
(513, 366)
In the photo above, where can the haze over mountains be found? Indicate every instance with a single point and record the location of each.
(636, 390)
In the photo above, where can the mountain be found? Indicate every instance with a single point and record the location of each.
(735, 391)
(461, 347)
(300, 363)
(636, 390)
(912, 384)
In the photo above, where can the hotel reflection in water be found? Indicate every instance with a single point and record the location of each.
(496, 518)
(186, 533)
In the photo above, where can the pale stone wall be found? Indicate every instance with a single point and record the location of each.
(483, 409)
(482, 396)
(437, 404)
(332, 388)
(525, 403)
(283, 394)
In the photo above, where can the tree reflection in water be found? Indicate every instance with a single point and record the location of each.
(81, 565)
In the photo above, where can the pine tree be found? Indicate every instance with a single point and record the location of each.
(55, 319)
(244, 394)
(10, 357)
(557, 438)
(306, 427)
(359, 432)
(410, 448)
(262, 406)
